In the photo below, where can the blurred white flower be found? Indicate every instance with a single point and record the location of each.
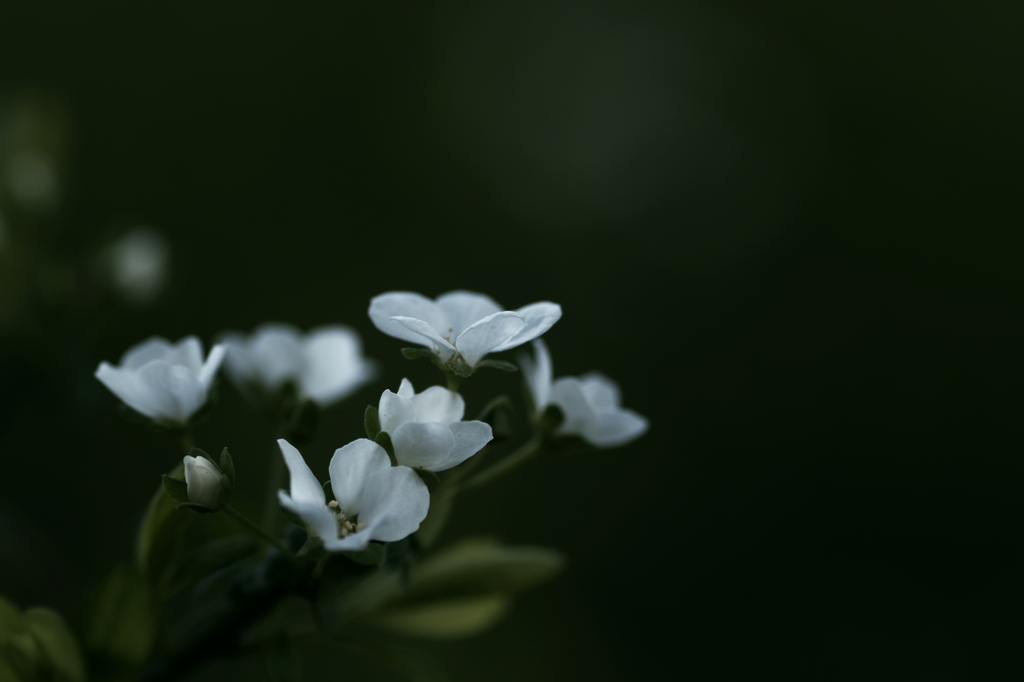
(138, 264)
(203, 481)
(590, 404)
(325, 365)
(373, 500)
(166, 382)
(427, 430)
(460, 325)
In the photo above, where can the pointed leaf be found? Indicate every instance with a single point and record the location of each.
(160, 530)
(428, 477)
(57, 642)
(444, 618)
(371, 422)
(224, 492)
(413, 353)
(497, 364)
(177, 489)
(460, 369)
(383, 439)
(122, 620)
(227, 465)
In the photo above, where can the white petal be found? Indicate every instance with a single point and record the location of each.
(470, 438)
(539, 318)
(395, 503)
(405, 304)
(351, 467)
(600, 391)
(394, 410)
(202, 481)
(271, 356)
(303, 484)
(438, 404)
(405, 389)
(334, 365)
(614, 427)
(354, 542)
(123, 384)
(567, 393)
(170, 393)
(212, 364)
(463, 308)
(155, 348)
(538, 375)
(484, 336)
(425, 332)
(321, 521)
(422, 445)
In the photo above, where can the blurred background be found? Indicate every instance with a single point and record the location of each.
(789, 230)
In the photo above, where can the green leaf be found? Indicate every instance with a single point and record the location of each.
(227, 465)
(372, 555)
(161, 529)
(57, 643)
(444, 618)
(25, 657)
(11, 620)
(176, 488)
(122, 621)
(371, 422)
(484, 566)
(383, 439)
(497, 364)
(460, 369)
(224, 492)
(413, 353)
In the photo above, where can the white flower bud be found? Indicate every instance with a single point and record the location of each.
(203, 481)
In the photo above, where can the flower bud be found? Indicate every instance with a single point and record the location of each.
(202, 479)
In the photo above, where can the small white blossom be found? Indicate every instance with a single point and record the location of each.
(590, 404)
(166, 382)
(460, 325)
(203, 481)
(427, 430)
(137, 264)
(373, 500)
(325, 365)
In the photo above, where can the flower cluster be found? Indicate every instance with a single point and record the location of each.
(377, 482)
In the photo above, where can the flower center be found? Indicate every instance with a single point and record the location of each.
(346, 526)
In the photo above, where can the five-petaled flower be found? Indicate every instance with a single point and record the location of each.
(460, 326)
(373, 500)
(166, 382)
(325, 365)
(590, 404)
(427, 430)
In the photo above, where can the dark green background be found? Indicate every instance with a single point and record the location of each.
(791, 231)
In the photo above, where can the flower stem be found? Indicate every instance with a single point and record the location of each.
(256, 530)
(527, 451)
(454, 380)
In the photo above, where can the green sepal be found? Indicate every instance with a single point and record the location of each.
(413, 353)
(371, 422)
(227, 465)
(196, 452)
(224, 492)
(459, 369)
(428, 477)
(176, 488)
(372, 555)
(200, 508)
(498, 364)
(383, 439)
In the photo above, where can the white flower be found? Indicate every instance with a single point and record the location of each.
(166, 382)
(137, 264)
(373, 500)
(460, 325)
(326, 365)
(203, 481)
(427, 430)
(589, 403)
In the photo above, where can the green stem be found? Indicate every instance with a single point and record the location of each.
(454, 380)
(256, 530)
(529, 449)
